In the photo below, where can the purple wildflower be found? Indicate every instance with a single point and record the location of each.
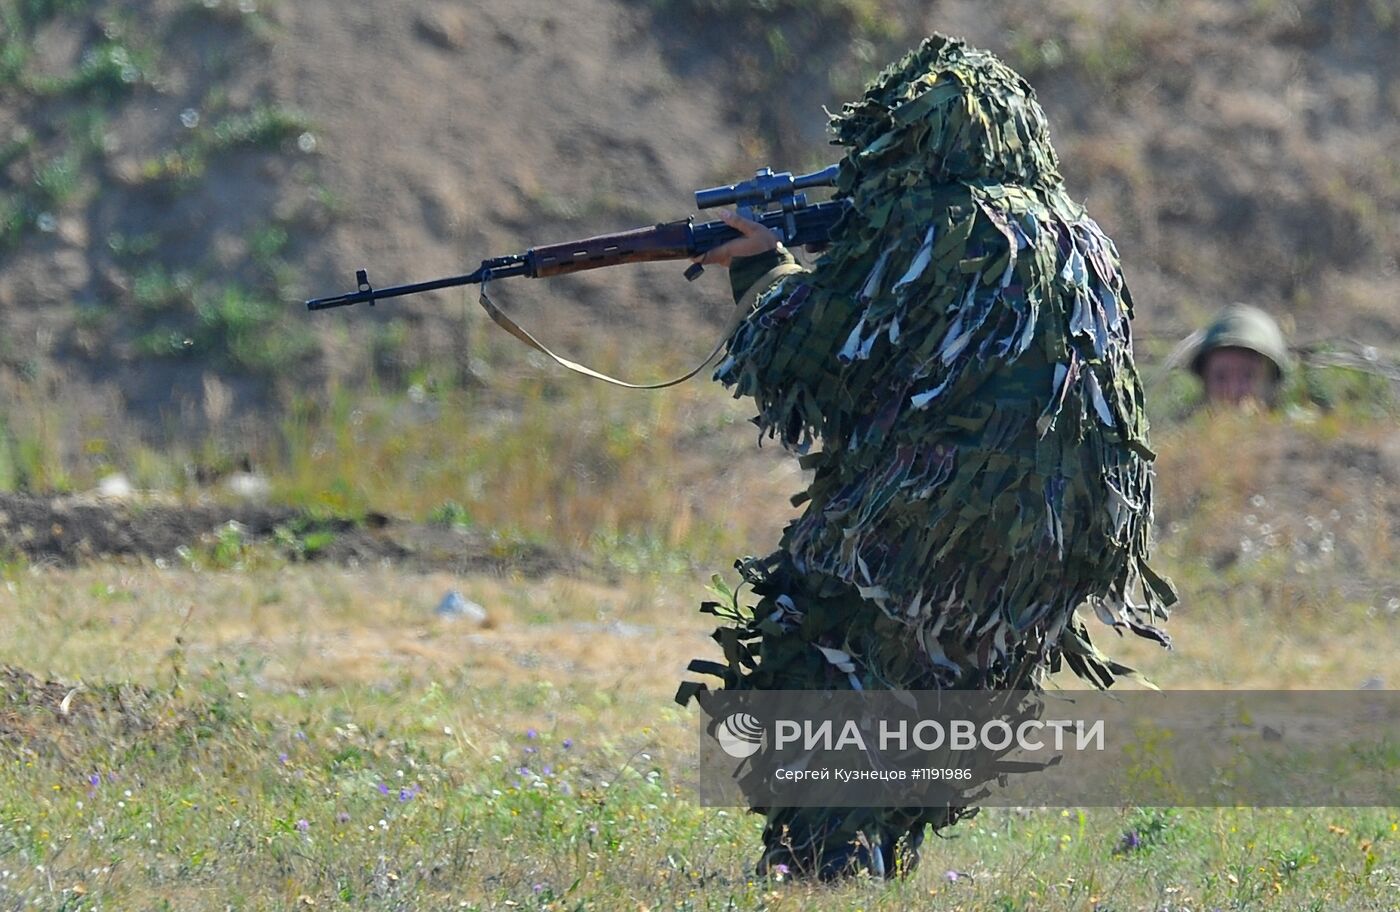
(522, 771)
(1130, 842)
(531, 734)
(94, 780)
(951, 876)
(282, 758)
(408, 794)
(781, 869)
(342, 817)
(383, 788)
(568, 743)
(539, 888)
(300, 736)
(548, 770)
(529, 750)
(303, 825)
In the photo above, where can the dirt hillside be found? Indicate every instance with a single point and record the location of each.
(178, 175)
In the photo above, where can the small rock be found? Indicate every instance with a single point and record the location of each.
(445, 27)
(73, 231)
(248, 485)
(126, 171)
(455, 605)
(229, 250)
(218, 398)
(116, 487)
(69, 269)
(112, 282)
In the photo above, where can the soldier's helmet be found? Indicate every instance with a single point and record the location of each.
(1246, 327)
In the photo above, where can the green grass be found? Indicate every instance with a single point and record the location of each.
(156, 290)
(263, 127)
(253, 17)
(71, 113)
(452, 514)
(237, 327)
(358, 801)
(14, 149)
(31, 454)
(107, 71)
(52, 167)
(249, 332)
(12, 221)
(303, 736)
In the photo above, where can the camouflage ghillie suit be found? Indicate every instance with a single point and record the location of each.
(962, 354)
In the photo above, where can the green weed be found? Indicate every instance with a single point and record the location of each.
(234, 327)
(32, 457)
(14, 149)
(468, 794)
(57, 181)
(266, 244)
(155, 290)
(132, 248)
(107, 71)
(12, 221)
(451, 513)
(249, 333)
(303, 539)
(266, 127)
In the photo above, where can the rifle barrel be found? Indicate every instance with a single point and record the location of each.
(499, 268)
(799, 226)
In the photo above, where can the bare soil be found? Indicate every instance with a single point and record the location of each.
(40, 717)
(67, 530)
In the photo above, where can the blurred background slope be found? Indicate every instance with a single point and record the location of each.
(178, 175)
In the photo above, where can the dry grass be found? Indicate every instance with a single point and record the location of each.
(294, 691)
(292, 695)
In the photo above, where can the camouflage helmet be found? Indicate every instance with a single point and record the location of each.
(1246, 327)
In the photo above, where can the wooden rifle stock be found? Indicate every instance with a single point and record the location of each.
(666, 241)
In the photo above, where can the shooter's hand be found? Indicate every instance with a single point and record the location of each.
(753, 239)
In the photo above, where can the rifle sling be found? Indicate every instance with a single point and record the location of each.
(515, 329)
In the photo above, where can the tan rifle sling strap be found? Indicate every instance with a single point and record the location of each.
(510, 326)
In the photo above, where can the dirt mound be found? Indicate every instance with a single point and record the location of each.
(68, 530)
(41, 715)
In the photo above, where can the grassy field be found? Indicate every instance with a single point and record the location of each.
(254, 733)
(314, 737)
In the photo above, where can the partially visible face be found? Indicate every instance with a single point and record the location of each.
(1234, 376)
